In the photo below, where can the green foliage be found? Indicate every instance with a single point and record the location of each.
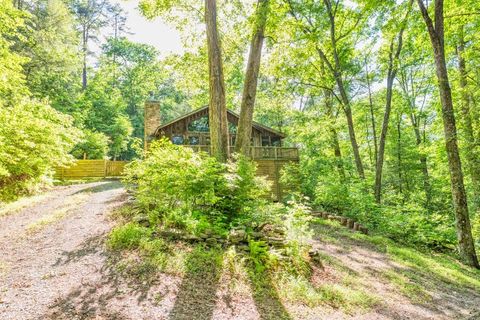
(258, 254)
(34, 138)
(190, 190)
(93, 144)
(127, 236)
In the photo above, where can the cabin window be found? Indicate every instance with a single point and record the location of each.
(207, 141)
(177, 139)
(232, 128)
(199, 125)
(276, 142)
(193, 140)
(265, 141)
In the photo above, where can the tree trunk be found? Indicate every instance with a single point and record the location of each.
(463, 227)
(418, 139)
(244, 132)
(399, 155)
(394, 55)
(85, 53)
(217, 104)
(336, 70)
(372, 114)
(383, 137)
(473, 162)
(335, 144)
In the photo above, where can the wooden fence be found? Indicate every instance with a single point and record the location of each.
(91, 169)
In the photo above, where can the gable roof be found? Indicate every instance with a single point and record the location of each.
(255, 124)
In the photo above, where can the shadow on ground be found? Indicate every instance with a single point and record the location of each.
(91, 299)
(426, 280)
(265, 295)
(196, 296)
(103, 186)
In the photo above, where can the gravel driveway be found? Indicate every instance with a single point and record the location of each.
(40, 259)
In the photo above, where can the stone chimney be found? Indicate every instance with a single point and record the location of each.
(152, 120)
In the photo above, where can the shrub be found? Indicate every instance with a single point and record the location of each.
(127, 236)
(188, 190)
(34, 138)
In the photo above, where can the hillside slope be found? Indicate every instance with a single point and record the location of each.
(359, 277)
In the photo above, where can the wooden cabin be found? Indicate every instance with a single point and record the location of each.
(192, 130)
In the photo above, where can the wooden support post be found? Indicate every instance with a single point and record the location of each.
(350, 223)
(356, 226)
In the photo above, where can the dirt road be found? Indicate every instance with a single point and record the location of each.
(40, 258)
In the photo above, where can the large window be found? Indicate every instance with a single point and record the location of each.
(178, 139)
(193, 140)
(232, 128)
(199, 125)
(276, 142)
(265, 141)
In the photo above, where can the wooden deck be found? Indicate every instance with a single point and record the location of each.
(270, 162)
(260, 153)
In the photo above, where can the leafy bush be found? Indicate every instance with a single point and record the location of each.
(94, 145)
(188, 190)
(408, 222)
(34, 138)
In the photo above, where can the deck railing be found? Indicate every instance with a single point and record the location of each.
(257, 153)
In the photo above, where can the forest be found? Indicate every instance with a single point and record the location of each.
(382, 99)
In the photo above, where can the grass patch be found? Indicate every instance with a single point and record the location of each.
(423, 266)
(14, 207)
(127, 236)
(57, 215)
(415, 292)
(336, 295)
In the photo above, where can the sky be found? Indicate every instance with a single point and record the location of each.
(153, 32)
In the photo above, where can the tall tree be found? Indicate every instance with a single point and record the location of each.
(413, 81)
(244, 131)
(311, 23)
(393, 55)
(91, 16)
(464, 233)
(217, 105)
(337, 70)
(472, 156)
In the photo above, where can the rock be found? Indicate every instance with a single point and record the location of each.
(343, 221)
(211, 241)
(356, 226)
(257, 235)
(276, 242)
(142, 220)
(270, 230)
(192, 238)
(242, 248)
(237, 235)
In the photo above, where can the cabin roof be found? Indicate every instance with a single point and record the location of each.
(255, 124)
